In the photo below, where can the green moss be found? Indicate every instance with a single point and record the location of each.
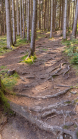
(24, 57)
(3, 99)
(10, 81)
(6, 85)
(29, 60)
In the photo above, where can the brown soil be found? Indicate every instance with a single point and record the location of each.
(46, 77)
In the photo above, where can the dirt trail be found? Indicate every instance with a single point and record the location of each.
(43, 93)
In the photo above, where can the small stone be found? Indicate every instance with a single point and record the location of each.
(11, 72)
(22, 52)
(61, 137)
(74, 92)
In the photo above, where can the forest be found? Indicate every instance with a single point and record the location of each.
(38, 69)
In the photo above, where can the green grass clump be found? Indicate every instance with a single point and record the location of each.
(30, 60)
(20, 41)
(2, 67)
(74, 59)
(10, 81)
(45, 49)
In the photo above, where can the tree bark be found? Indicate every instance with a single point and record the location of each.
(51, 28)
(8, 29)
(32, 47)
(23, 19)
(28, 20)
(75, 21)
(64, 23)
(20, 20)
(17, 14)
(13, 22)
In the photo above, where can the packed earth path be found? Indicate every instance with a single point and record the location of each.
(46, 94)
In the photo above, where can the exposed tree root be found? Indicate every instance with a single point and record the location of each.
(66, 70)
(54, 68)
(45, 97)
(63, 85)
(49, 107)
(56, 72)
(39, 123)
(54, 111)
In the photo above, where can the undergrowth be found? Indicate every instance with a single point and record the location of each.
(10, 81)
(71, 50)
(6, 87)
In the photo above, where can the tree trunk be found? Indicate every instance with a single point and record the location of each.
(32, 47)
(75, 21)
(13, 22)
(28, 20)
(64, 23)
(20, 20)
(23, 19)
(51, 28)
(17, 14)
(8, 29)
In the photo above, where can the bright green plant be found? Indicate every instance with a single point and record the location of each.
(30, 60)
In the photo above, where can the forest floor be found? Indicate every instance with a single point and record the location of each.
(46, 100)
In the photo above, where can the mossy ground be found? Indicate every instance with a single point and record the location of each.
(30, 60)
(6, 87)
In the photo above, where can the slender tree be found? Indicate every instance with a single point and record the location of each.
(32, 47)
(64, 22)
(23, 19)
(28, 20)
(20, 19)
(8, 29)
(13, 22)
(75, 21)
(17, 16)
(51, 28)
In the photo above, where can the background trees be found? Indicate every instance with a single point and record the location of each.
(51, 15)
